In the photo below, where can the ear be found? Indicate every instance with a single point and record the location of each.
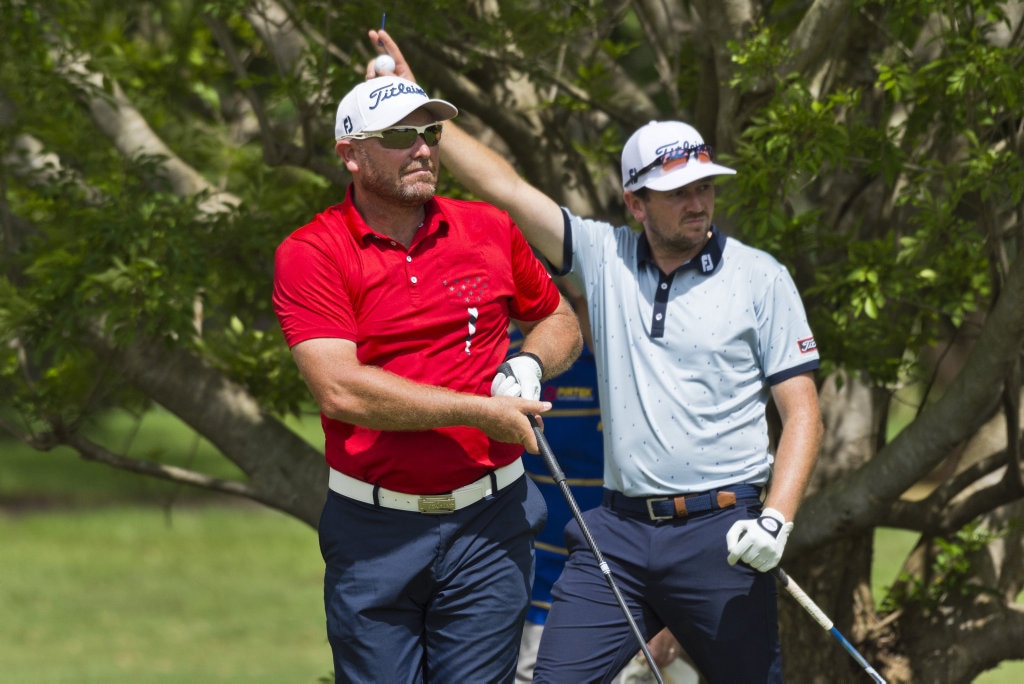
(635, 205)
(346, 152)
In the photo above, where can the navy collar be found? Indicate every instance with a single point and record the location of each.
(704, 263)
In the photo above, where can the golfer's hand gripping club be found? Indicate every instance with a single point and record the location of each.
(759, 543)
(559, 477)
(518, 376)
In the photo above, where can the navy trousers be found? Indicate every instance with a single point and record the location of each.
(412, 597)
(671, 573)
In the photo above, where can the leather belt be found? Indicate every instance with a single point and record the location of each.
(681, 506)
(426, 503)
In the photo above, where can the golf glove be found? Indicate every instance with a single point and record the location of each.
(759, 543)
(519, 376)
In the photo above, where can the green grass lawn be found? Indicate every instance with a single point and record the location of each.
(106, 576)
(129, 594)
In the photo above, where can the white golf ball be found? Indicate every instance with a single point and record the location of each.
(383, 64)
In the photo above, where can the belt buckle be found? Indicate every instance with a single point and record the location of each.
(436, 503)
(650, 509)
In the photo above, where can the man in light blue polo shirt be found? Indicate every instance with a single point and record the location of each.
(694, 332)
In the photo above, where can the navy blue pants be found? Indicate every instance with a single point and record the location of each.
(412, 597)
(673, 574)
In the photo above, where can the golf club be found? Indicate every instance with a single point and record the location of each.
(811, 607)
(559, 477)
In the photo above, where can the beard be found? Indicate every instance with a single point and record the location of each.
(678, 240)
(398, 189)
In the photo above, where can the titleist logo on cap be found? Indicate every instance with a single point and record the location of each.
(669, 147)
(387, 92)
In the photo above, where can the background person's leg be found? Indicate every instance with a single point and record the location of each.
(528, 652)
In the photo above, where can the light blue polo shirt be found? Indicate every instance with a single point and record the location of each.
(686, 360)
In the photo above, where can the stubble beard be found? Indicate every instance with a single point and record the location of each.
(399, 190)
(682, 240)
(415, 193)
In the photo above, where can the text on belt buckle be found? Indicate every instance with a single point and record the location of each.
(437, 503)
(650, 509)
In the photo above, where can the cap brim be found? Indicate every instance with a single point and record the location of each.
(441, 110)
(691, 173)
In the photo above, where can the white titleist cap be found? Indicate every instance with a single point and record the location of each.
(664, 155)
(381, 102)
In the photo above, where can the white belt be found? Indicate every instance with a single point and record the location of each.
(427, 503)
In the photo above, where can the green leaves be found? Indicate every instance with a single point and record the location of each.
(260, 360)
(950, 572)
(905, 260)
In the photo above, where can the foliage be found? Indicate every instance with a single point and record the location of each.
(950, 573)
(919, 273)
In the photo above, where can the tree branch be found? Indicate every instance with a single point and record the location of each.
(866, 496)
(130, 133)
(983, 636)
(957, 501)
(230, 419)
(91, 451)
(816, 34)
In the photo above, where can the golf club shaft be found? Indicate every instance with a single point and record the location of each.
(559, 477)
(819, 616)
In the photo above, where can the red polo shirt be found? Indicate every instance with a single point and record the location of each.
(436, 313)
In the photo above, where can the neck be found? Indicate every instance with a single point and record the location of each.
(397, 221)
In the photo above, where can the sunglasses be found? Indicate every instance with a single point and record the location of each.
(679, 156)
(402, 137)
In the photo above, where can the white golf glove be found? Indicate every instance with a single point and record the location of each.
(519, 376)
(759, 543)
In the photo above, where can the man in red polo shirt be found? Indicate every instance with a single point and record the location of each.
(396, 304)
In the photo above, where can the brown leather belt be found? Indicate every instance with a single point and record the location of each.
(680, 506)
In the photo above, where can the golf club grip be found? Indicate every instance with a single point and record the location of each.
(559, 477)
(819, 616)
(802, 598)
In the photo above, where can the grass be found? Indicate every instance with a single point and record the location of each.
(129, 594)
(111, 577)
(891, 548)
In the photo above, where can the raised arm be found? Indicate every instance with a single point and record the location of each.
(489, 175)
